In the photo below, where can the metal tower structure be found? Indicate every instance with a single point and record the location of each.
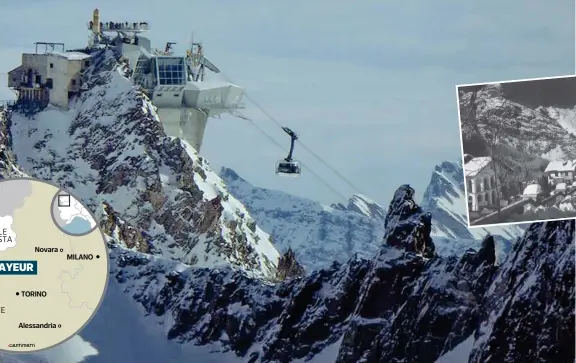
(99, 31)
(176, 84)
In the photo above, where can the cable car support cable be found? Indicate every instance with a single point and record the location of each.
(261, 109)
(314, 174)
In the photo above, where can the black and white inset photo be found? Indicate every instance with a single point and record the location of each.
(519, 150)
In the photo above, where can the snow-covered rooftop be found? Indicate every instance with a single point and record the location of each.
(70, 55)
(560, 186)
(206, 85)
(474, 166)
(532, 189)
(560, 165)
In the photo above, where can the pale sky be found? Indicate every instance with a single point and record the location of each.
(368, 85)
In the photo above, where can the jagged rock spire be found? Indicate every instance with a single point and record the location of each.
(288, 266)
(407, 226)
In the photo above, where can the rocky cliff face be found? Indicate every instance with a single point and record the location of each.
(405, 305)
(8, 167)
(320, 234)
(110, 147)
(528, 310)
(445, 199)
(525, 132)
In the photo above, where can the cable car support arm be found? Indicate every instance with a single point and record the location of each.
(293, 138)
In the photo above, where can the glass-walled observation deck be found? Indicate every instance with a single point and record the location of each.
(171, 71)
(152, 71)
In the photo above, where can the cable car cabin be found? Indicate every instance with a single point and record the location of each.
(288, 168)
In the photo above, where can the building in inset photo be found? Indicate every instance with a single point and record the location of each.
(519, 150)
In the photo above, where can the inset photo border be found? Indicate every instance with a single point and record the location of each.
(518, 143)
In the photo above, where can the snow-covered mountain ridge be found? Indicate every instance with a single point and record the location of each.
(445, 199)
(320, 234)
(363, 205)
(110, 147)
(545, 132)
(404, 304)
(378, 310)
(8, 166)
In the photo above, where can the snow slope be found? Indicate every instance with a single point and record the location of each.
(8, 166)
(121, 332)
(565, 117)
(404, 304)
(363, 205)
(445, 199)
(110, 147)
(460, 353)
(319, 234)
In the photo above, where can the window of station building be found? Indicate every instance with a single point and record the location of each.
(51, 65)
(171, 71)
(49, 83)
(73, 82)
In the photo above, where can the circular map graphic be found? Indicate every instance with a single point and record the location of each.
(53, 265)
(71, 216)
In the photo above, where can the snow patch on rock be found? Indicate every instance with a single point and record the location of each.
(110, 147)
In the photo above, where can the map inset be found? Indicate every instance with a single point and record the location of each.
(53, 265)
(71, 216)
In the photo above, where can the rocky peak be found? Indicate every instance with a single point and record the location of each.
(8, 166)
(407, 226)
(377, 309)
(363, 205)
(231, 175)
(528, 311)
(288, 266)
(493, 90)
(446, 182)
(487, 253)
(110, 147)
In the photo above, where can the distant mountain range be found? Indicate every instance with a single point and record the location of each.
(319, 234)
(322, 234)
(445, 199)
(193, 272)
